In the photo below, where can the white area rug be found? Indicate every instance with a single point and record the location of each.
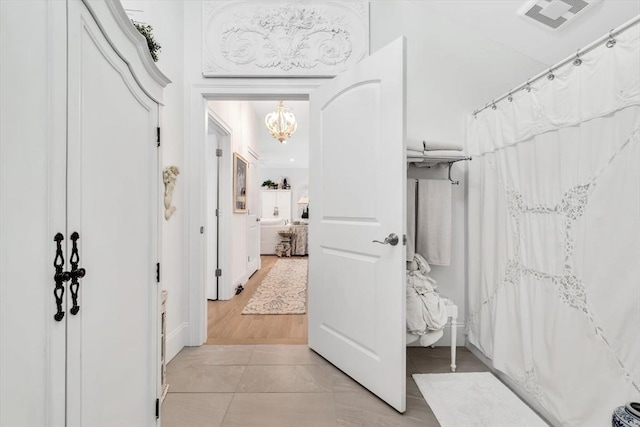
(283, 291)
(475, 399)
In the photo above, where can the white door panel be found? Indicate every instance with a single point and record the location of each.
(32, 211)
(112, 359)
(358, 185)
(253, 205)
(211, 187)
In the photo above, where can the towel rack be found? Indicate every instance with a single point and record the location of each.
(449, 174)
(430, 161)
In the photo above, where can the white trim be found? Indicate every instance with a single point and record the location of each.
(195, 136)
(130, 46)
(176, 341)
(253, 153)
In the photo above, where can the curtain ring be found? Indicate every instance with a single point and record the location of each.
(611, 42)
(527, 87)
(493, 105)
(510, 97)
(551, 76)
(577, 62)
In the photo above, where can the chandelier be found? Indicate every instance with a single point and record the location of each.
(281, 123)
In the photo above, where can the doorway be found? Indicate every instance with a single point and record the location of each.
(216, 199)
(359, 114)
(252, 238)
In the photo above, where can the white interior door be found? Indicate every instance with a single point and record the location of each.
(253, 224)
(358, 190)
(112, 342)
(32, 211)
(212, 196)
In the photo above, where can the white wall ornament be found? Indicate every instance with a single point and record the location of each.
(252, 39)
(169, 176)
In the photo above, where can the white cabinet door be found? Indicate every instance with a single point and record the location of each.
(32, 211)
(358, 186)
(276, 204)
(112, 342)
(269, 201)
(284, 204)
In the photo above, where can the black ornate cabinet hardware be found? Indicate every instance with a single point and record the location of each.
(59, 277)
(62, 276)
(75, 273)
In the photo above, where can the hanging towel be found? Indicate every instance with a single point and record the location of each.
(411, 219)
(433, 235)
(435, 145)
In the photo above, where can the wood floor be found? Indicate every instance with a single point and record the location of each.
(227, 324)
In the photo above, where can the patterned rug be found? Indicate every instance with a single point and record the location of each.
(283, 291)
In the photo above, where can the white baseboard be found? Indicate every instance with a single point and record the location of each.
(176, 340)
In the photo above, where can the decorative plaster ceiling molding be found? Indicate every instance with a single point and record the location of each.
(250, 39)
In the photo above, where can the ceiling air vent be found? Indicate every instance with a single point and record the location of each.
(554, 14)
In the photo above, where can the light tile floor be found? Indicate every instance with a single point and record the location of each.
(289, 386)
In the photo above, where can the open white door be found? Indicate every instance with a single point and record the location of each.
(253, 224)
(212, 186)
(358, 193)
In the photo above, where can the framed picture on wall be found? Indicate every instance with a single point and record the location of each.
(240, 169)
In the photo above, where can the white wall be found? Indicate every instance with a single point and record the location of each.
(243, 121)
(450, 73)
(167, 23)
(298, 178)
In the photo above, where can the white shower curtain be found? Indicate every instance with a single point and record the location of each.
(554, 236)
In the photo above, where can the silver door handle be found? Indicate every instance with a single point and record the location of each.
(392, 240)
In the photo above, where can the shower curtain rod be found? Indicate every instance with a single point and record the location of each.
(575, 57)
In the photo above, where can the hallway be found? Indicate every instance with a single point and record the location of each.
(227, 324)
(289, 385)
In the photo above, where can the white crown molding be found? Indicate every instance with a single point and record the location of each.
(130, 44)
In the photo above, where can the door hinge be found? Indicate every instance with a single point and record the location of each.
(157, 272)
(404, 240)
(218, 272)
(201, 229)
(157, 408)
(158, 135)
(217, 212)
(218, 152)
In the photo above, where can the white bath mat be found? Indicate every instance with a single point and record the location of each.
(475, 399)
